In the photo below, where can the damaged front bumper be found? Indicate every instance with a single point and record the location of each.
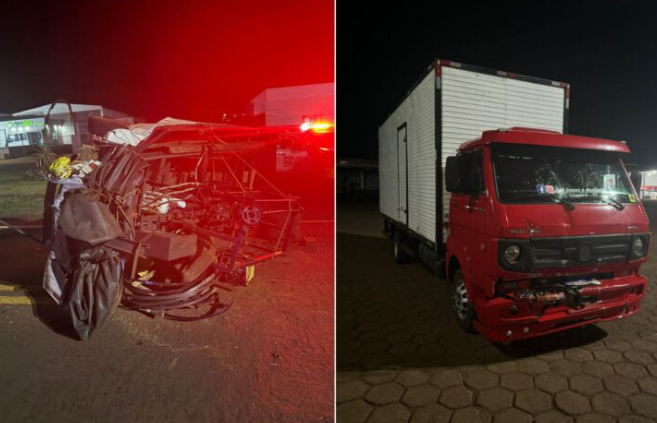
(541, 311)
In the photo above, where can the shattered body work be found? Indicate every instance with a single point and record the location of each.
(184, 213)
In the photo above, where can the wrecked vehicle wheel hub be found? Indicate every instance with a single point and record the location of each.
(251, 215)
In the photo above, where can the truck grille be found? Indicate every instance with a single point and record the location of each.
(579, 251)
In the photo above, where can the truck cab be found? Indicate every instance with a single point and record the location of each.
(546, 233)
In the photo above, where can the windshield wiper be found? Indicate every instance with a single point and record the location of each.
(613, 202)
(552, 197)
(568, 204)
(605, 199)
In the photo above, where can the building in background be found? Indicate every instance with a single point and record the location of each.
(294, 105)
(19, 135)
(22, 131)
(357, 179)
(649, 185)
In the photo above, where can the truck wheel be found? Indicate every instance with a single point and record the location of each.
(387, 229)
(401, 257)
(463, 308)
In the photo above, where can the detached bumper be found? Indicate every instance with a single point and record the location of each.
(619, 298)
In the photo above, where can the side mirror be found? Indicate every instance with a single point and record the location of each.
(451, 173)
(636, 177)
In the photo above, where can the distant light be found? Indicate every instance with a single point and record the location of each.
(318, 127)
(322, 127)
(28, 128)
(306, 125)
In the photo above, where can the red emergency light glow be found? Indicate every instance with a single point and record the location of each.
(317, 127)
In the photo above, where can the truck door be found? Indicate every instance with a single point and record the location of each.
(402, 166)
(470, 211)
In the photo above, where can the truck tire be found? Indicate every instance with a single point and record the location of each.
(401, 257)
(461, 304)
(387, 229)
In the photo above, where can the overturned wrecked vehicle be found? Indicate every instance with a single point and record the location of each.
(165, 219)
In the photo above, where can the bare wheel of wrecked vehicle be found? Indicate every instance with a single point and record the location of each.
(460, 301)
(251, 215)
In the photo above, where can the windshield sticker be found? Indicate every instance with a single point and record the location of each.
(609, 181)
(585, 192)
(632, 198)
(545, 189)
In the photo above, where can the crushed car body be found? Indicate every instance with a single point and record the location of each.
(167, 223)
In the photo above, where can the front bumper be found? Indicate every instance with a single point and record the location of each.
(619, 297)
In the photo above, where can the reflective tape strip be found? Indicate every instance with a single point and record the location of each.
(22, 300)
(8, 287)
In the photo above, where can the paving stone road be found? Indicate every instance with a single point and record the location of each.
(402, 358)
(267, 359)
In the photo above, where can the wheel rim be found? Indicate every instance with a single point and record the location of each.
(460, 299)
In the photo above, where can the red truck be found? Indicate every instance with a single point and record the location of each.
(539, 231)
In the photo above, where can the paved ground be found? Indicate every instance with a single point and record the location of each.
(268, 359)
(402, 358)
(359, 219)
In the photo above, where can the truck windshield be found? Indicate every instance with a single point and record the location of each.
(540, 174)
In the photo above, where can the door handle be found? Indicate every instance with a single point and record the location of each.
(475, 208)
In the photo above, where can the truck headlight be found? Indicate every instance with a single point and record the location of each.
(511, 254)
(514, 255)
(637, 246)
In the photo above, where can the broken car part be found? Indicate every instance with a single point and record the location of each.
(183, 211)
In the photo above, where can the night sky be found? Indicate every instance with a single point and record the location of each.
(188, 59)
(607, 51)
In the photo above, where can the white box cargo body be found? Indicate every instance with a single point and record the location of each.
(450, 104)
